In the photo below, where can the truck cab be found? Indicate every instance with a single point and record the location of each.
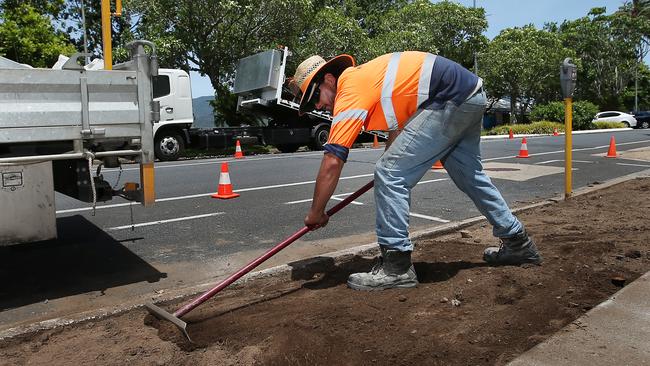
(173, 90)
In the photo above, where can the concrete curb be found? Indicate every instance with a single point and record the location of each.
(285, 269)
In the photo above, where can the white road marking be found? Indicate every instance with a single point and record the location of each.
(164, 221)
(562, 151)
(560, 160)
(359, 203)
(641, 165)
(431, 181)
(232, 159)
(432, 218)
(339, 198)
(210, 193)
(336, 197)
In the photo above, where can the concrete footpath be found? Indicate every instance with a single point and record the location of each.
(616, 332)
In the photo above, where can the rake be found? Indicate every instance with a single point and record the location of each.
(175, 318)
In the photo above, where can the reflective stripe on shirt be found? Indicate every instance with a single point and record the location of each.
(387, 91)
(425, 78)
(351, 114)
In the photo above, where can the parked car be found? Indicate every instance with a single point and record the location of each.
(642, 118)
(613, 116)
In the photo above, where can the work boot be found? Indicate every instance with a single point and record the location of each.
(393, 270)
(517, 249)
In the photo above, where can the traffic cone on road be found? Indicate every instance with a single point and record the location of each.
(238, 153)
(611, 153)
(225, 187)
(511, 135)
(437, 165)
(555, 133)
(375, 143)
(523, 150)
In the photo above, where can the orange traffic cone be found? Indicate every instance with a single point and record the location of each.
(611, 153)
(555, 133)
(225, 187)
(523, 150)
(238, 153)
(511, 135)
(375, 143)
(437, 165)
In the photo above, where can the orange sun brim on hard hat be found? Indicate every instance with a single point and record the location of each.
(335, 66)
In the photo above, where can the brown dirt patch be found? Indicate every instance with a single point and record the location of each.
(313, 319)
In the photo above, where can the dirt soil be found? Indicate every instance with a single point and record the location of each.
(463, 312)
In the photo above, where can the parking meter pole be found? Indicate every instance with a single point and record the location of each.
(568, 142)
(568, 78)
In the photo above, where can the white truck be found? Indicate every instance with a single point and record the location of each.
(261, 91)
(173, 90)
(54, 124)
(260, 86)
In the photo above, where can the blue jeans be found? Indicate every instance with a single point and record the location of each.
(452, 135)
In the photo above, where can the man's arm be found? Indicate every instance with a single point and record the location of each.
(328, 177)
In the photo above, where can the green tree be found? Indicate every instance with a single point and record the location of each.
(121, 27)
(210, 37)
(50, 8)
(446, 28)
(607, 47)
(27, 36)
(334, 34)
(643, 94)
(523, 63)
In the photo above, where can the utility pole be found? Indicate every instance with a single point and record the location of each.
(83, 20)
(636, 84)
(475, 59)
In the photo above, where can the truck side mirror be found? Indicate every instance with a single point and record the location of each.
(568, 77)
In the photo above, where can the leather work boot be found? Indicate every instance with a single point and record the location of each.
(517, 249)
(393, 270)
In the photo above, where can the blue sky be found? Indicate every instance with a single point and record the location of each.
(501, 14)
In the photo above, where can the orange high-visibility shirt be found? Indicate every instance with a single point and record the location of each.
(382, 94)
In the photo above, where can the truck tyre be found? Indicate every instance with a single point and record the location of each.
(320, 138)
(168, 146)
(288, 148)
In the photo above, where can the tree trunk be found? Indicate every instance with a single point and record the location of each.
(513, 111)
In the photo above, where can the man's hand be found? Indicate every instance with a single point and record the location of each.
(316, 220)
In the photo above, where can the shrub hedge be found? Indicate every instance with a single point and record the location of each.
(604, 125)
(583, 113)
(542, 127)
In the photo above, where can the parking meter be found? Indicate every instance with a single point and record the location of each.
(568, 76)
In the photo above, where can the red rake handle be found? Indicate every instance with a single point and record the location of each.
(237, 275)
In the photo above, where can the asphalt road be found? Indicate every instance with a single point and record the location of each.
(127, 251)
(276, 191)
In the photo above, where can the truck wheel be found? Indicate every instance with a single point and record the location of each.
(288, 148)
(168, 146)
(320, 138)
